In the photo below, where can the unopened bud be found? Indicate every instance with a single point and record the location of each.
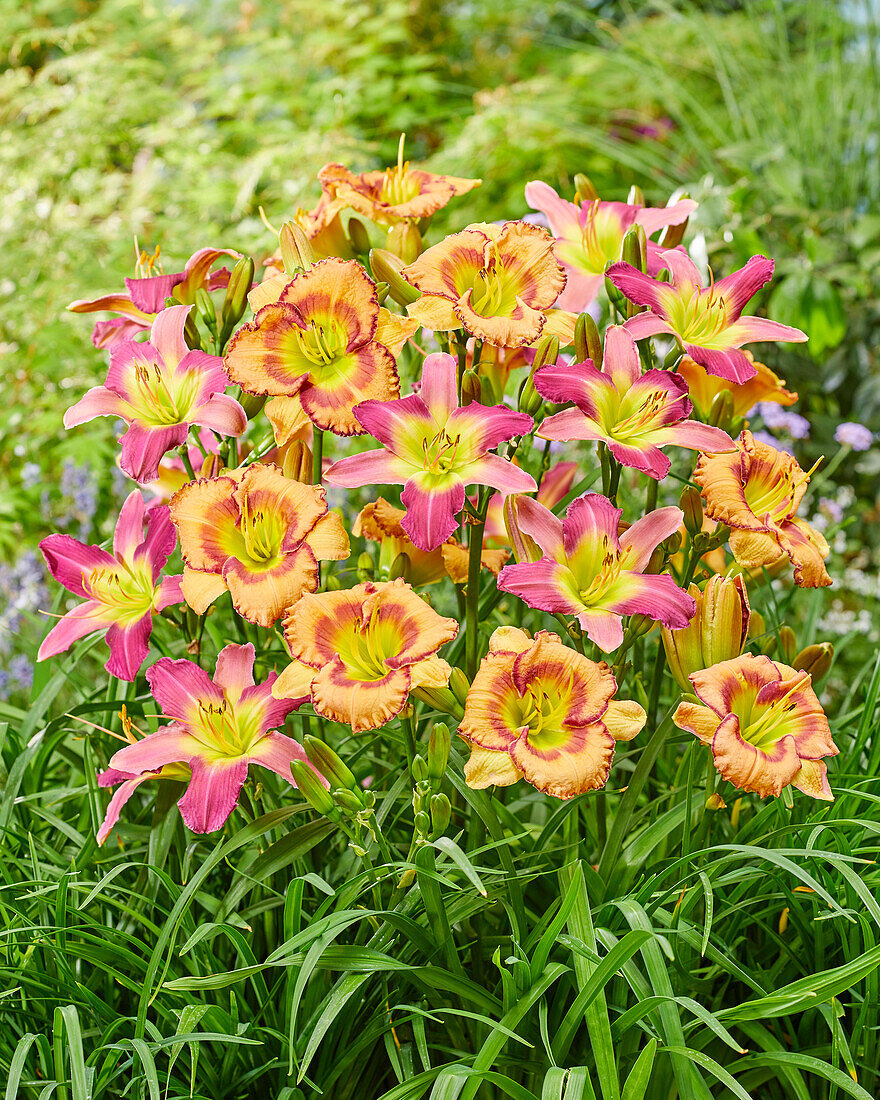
(757, 626)
(329, 763)
(783, 921)
(640, 625)
(405, 241)
(673, 358)
(717, 632)
(529, 399)
(815, 659)
(691, 504)
(787, 643)
(366, 569)
(635, 248)
(237, 289)
(387, 268)
(674, 234)
(252, 403)
(311, 788)
(382, 293)
(584, 191)
(721, 412)
(471, 389)
(657, 560)
(212, 466)
(422, 825)
(419, 768)
(636, 196)
(615, 296)
(587, 342)
(524, 546)
(459, 685)
(400, 567)
(672, 544)
(348, 800)
(546, 353)
(441, 814)
(297, 462)
(438, 750)
(191, 332)
(206, 311)
(359, 237)
(333, 583)
(297, 253)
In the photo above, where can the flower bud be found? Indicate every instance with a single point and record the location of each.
(405, 241)
(715, 802)
(529, 399)
(721, 412)
(297, 253)
(471, 389)
(212, 466)
(252, 403)
(382, 293)
(400, 567)
(459, 684)
(691, 503)
(329, 763)
(635, 247)
(524, 546)
(422, 825)
(717, 632)
(419, 768)
(312, 789)
(657, 559)
(674, 234)
(386, 268)
(438, 750)
(348, 800)
(757, 626)
(441, 814)
(639, 625)
(636, 196)
(815, 659)
(237, 289)
(584, 191)
(366, 568)
(191, 332)
(359, 237)
(439, 698)
(615, 297)
(787, 644)
(206, 311)
(672, 544)
(587, 342)
(297, 462)
(546, 353)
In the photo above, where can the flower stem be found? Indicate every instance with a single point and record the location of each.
(317, 456)
(184, 458)
(472, 598)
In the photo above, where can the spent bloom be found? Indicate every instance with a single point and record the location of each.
(635, 414)
(256, 534)
(589, 237)
(434, 448)
(218, 728)
(707, 321)
(160, 388)
(539, 710)
(763, 724)
(122, 590)
(716, 633)
(496, 282)
(590, 571)
(756, 490)
(358, 653)
(853, 435)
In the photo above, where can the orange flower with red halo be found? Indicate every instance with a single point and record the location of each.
(497, 282)
(703, 387)
(394, 195)
(358, 653)
(764, 725)
(756, 491)
(256, 534)
(538, 710)
(320, 336)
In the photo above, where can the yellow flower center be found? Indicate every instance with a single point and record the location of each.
(763, 724)
(601, 238)
(776, 497)
(263, 533)
(494, 288)
(162, 396)
(602, 574)
(363, 647)
(640, 420)
(322, 344)
(226, 732)
(126, 589)
(398, 186)
(543, 709)
(439, 453)
(698, 315)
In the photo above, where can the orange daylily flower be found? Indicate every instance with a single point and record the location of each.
(322, 336)
(256, 534)
(497, 282)
(394, 195)
(756, 491)
(703, 388)
(358, 653)
(381, 522)
(540, 711)
(764, 725)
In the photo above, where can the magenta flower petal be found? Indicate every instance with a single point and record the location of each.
(235, 669)
(621, 357)
(277, 752)
(167, 334)
(221, 414)
(129, 646)
(543, 584)
(439, 386)
(391, 422)
(169, 592)
(144, 447)
(149, 294)
(570, 424)
(497, 472)
(646, 458)
(644, 325)
(576, 382)
(483, 427)
(749, 330)
(699, 437)
(179, 686)
(128, 785)
(368, 468)
(642, 539)
(268, 712)
(637, 286)
(98, 401)
(158, 541)
(76, 624)
(70, 562)
(212, 793)
(740, 286)
(169, 745)
(540, 524)
(658, 217)
(605, 628)
(657, 596)
(732, 364)
(129, 532)
(106, 334)
(208, 369)
(431, 509)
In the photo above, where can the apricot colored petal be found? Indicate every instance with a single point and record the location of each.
(581, 765)
(755, 549)
(265, 357)
(312, 624)
(287, 417)
(201, 589)
(624, 719)
(329, 396)
(812, 779)
(749, 768)
(491, 710)
(489, 768)
(362, 704)
(420, 629)
(263, 596)
(393, 331)
(441, 269)
(434, 312)
(337, 292)
(721, 684)
(523, 325)
(560, 323)
(206, 515)
(455, 561)
(328, 539)
(701, 721)
(430, 672)
(263, 489)
(294, 682)
(807, 550)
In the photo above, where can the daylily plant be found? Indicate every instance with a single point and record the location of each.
(756, 490)
(635, 414)
(122, 589)
(218, 728)
(160, 388)
(323, 337)
(704, 388)
(258, 535)
(707, 321)
(358, 653)
(434, 448)
(590, 236)
(394, 194)
(763, 724)
(144, 296)
(539, 710)
(496, 282)
(589, 571)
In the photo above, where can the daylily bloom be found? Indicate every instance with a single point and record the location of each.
(144, 297)
(539, 710)
(160, 388)
(703, 387)
(635, 414)
(381, 522)
(555, 485)
(764, 725)
(122, 590)
(256, 534)
(218, 728)
(592, 573)
(358, 653)
(590, 236)
(434, 448)
(756, 490)
(325, 232)
(396, 194)
(497, 282)
(323, 337)
(716, 633)
(706, 321)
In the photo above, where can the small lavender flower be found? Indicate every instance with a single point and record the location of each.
(831, 507)
(772, 441)
(779, 419)
(854, 435)
(21, 672)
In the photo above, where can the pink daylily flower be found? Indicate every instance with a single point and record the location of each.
(160, 388)
(122, 590)
(127, 783)
(589, 571)
(635, 414)
(590, 236)
(218, 728)
(706, 320)
(434, 448)
(143, 298)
